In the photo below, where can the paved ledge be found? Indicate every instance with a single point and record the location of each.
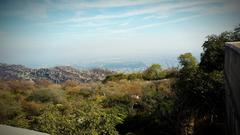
(233, 45)
(8, 130)
(237, 44)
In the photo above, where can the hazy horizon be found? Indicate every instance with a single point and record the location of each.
(46, 32)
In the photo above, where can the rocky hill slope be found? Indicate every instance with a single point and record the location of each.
(57, 74)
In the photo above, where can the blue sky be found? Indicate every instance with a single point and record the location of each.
(61, 32)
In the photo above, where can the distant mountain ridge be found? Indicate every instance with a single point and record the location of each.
(56, 74)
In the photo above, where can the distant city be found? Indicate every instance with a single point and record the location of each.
(124, 65)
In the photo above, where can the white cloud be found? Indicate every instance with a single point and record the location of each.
(157, 11)
(33, 9)
(154, 24)
(159, 8)
(74, 4)
(163, 11)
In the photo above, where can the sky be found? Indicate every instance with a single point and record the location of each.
(69, 32)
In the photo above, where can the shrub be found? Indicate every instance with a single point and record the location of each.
(171, 73)
(46, 95)
(86, 92)
(10, 108)
(88, 118)
(19, 121)
(21, 86)
(70, 84)
(32, 107)
(134, 76)
(115, 77)
(43, 82)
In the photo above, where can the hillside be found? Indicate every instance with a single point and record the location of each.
(57, 74)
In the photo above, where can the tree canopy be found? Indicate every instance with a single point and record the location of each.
(154, 72)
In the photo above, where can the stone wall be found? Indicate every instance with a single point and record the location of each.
(232, 86)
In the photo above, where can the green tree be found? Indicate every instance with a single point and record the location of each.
(187, 61)
(212, 57)
(154, 72)
(184, 83)
(200, 88)
(186, 75)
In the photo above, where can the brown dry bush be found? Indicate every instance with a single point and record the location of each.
(124, 87)
(20, 86)
(4, 85)
(70, 84)
(43, 83)
(47, 96)
(32, 107)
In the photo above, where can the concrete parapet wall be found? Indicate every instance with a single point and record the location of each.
(9, 130)
(232, 86)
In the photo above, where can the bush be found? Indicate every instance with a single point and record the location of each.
(19, 121)
(135, 76)
(171, 73)
(70, 84)
(86, 92)
(46, 95)
(124, 101)
(20, 86)
(115, 77)
(43, 82)
(91, 119)
(32, 107)
(10, 107)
